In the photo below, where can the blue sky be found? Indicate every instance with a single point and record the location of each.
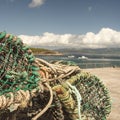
(58, 16)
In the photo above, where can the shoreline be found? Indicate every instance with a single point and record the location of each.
(48, 54)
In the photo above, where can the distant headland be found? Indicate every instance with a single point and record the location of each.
(42, 51)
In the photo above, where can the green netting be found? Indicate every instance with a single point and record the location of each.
(18, 69)
(95, 103)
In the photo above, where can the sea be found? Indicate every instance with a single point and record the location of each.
(83, 61)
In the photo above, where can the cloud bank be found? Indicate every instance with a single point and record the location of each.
(36, 3)
(105, 38)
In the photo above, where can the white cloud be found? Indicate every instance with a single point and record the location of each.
(47, 39)
(106, 37)
(36, 3)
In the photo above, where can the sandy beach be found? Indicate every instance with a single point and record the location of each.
(111, 79)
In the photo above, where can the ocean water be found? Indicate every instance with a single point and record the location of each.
(90, 62)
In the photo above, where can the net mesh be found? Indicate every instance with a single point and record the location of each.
(18, 69)
(95, 103)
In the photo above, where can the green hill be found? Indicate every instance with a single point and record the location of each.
(42, 51)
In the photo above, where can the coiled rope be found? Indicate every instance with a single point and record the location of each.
(47, 106)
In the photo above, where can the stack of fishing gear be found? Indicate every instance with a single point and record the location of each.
(34, 89)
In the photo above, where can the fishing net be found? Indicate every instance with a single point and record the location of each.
(19, 74)
(34, 89)
(18, 70)
(95, 104)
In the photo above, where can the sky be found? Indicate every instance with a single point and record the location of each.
(62, 22)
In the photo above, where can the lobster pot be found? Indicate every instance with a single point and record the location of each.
(19, 74)
(95, 99)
